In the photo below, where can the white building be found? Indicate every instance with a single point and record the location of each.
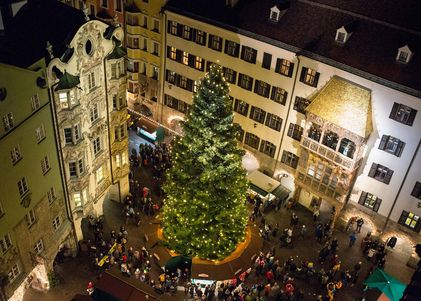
(323, 95)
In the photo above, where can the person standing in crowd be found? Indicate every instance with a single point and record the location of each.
(360, 223)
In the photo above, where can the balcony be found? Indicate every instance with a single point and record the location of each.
(133, 75)
(326, 191)
(329, 154)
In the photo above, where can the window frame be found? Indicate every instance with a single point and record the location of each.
(232, 48)
(38, 247)
(6, 243)
(300, 104)
(398, 114)
(391, 145)
(252, 140)
(30, 218)
(416, 191)
(248, 54)
(97, 145)
(367, 196)
(274, 122)
(23, 187)
(15, 271)
(279, 95)
(215, 42)
(290, 159)
(380, 173)
(8, 121)
(241, 107)
(295, 131)
(267, 61)
(309, 76)
(45, 165)
(16, 154)
(257, 114)
(51, 195)
(267, 148)
(56, 222)
(35, 102)
(403, 220)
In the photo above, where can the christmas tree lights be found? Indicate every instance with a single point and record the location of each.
(204, 213)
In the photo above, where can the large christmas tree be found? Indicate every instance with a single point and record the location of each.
(204, 212)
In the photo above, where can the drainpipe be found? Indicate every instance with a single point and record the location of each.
(61, 162)
(163, 66)
(401, 185)
(289, 110)
(109, 128)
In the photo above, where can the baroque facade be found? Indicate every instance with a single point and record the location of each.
(332, 109)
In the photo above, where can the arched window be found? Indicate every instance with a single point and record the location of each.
(347, 148)
(315, 132)
(330, 139)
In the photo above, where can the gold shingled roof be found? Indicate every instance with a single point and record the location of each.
(345, 104)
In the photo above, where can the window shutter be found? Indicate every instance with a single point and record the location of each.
(192, 58)
(383, 142)
(237, 49)
(377, 205)
(240, 78)
(403, 217)
(417, 227)
(291, 69)
(363, 196)
(372, 171)
(267, 91)
(399, 149)
(278, 65)
(303, 74)
(204, 38)
(316, 79)
(190, 85)
(226, 46)
(193, 34)
(242, 52)
(291, 129)
(411, 117)
(210, 41)
(169, 26)
(257, 84)
(178, 55)
(394, 110)
(168, 51)
(284, 98)
(284, 157)
(252, 112)
(272, 94)
(254, 56)
(177, 80)
(388, 176)
(180, 28)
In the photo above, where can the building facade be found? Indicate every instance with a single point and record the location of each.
(88, 85)
(34, 218)
(330, 107)
(109, 11)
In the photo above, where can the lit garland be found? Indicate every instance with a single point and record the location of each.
(204, 212)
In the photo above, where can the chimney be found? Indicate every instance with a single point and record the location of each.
(231, 3)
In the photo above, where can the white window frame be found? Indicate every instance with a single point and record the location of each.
(156, 25)
(31, 218)
(40, 133)
(14, 272)
(91, 78)
(99, 174)
(67, 99)
(155, 48)
(35, 103)
(5, 243)
(56, 222)
(45, 165)
(118, 160)
(97, 147)
(94, 113)
(23, 187)
(8, 121)
(16, 154)
(39, 246)
(51, 195)
(77, 199)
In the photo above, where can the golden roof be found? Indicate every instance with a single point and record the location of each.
(345, 104)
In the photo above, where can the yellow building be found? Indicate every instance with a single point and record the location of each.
(144, 28)
(34, 217)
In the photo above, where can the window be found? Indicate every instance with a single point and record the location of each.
(56, 222)
(230, 75)
(289, 159)
(155, 48)
(118, 160)
(99, 174)
(131, 19)
(171, 77)
(370, 201)
(200, 37)
(155, 72)
(257, 114)
(97, 145)
(80, 166)
(120, 132)
(5, 243)
(92, 10)
(403, 56)
(117, 70)
(39, 247)
(144, 43)
(119, 102)
(198, 63)
(284, 67)
(215, 42)
(380, 173)
(176, 104)
(145, 22)
(232, 48)
(72, 135)
(91, 81)
(124, 157)
(68, 135)
(340, 37)
(295, 131)
(13, 273)
(309, 77)
(241, 107)
(416, 192)
(155, 25)
(15, 154)
(1, 210)
(410, 220)
(403, 114)
(300, 104)
(267, 60)
(173, 27)
(94, 113)
(268, 148)
(330, 139)
(172, 53)
(132, 66)
(118, 5)
(252, 140)
(347, 148)
(186, 34)
(67, 99)
(8, 121)
(77, 199)
(274, 122)
(132, 42)
(185, 58)
(104, 3)
(23, 187)
(73, 169)
(279, 95)
(45, 165)
(245, 81)
(391, 145)
(248, 54)
(51, 195)
(35, 103)
(30, 218)
(262, 88)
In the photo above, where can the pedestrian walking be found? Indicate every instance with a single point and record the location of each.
(316, 213)
(360, 223)
(303, 231)
(352, 239)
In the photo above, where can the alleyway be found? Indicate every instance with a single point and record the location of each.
(75, 273)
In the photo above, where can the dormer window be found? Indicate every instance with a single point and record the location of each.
(342, 35)
(404, 54)
(274, 14)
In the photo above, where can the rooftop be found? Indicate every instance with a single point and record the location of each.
(345, 104)
(309, 27)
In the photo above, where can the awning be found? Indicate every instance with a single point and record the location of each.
(281, 192)
(263, 184)
(345, 104)
(147, 125)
